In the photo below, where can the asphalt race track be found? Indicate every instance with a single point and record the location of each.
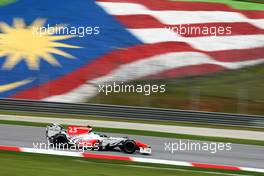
(239, 155)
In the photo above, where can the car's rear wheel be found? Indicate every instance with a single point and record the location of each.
(129, 146)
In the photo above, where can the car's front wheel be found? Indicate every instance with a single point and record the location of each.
(129, 146)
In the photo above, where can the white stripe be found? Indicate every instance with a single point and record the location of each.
(251, 169)
(257, 22)
(79, 94)
(115, 8)
(202, 43)
(152, 65)
(159, 161)
(51, 152)
(177, 17)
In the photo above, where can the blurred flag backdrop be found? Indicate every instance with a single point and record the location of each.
(132, 42)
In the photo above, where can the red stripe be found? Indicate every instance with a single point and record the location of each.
(214, 166)
(254, 14)
(176, 5)
(147, 21)
(221, 29)
(10, 148)
(190, 6)
(104, 65)
(193, 70)
(108, 157)
(238, 55)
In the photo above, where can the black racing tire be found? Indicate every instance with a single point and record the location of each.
(59, 140)
(129, 146)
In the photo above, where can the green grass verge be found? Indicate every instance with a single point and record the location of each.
(158, 122)
(238, 91)
(236, 4)
(16, 164)
(150, 133)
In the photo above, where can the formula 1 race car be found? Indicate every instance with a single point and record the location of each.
(83, 136)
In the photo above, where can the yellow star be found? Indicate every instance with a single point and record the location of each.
(22, 42)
